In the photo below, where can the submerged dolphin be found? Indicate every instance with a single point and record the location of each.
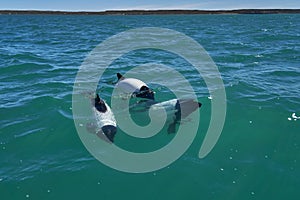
(138, 87)
(177, 109)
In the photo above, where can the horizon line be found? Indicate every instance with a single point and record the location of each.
(152, 12)
(158, 9)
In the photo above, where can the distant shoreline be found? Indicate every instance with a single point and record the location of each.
(153, 12)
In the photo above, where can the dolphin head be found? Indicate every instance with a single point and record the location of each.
(187, 106)
(109, 131)
(146, 93)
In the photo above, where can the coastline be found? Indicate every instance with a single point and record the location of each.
(153, 12)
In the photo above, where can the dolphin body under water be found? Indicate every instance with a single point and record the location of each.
(135, 86)
(106, 126)
(176, 110)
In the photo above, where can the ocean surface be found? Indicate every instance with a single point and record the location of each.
(257, 155)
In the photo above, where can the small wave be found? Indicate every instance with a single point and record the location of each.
(25, 68)
(63, 162)
(282, 73)
(19, 94)
(65, 114)
(29, 56)
(16, 121)
(20, 58)
(259, 56)
(29, 132)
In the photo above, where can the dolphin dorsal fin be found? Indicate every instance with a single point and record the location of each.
(120, 77)
(97, 99)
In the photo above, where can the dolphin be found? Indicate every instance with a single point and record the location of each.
(106, 126)
(177, 109)
(135, 86)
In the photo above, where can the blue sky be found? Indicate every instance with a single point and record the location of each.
(100, 5)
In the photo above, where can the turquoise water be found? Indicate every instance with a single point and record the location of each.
(256, 157)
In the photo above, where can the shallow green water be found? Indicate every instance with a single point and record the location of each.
(256, 157)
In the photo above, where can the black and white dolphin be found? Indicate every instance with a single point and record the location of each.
(176, 109)
(138, 87)
(106, 126)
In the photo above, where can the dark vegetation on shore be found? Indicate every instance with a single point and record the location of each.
(155, 12)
